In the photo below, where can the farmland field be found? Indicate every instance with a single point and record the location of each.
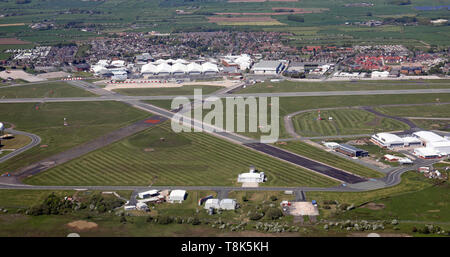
(302, 86)
(329, 158)
(159, 156)
(51, 89)
(184, 90)
(47, 121)
(344, 122)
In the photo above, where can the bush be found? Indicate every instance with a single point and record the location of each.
(256, 215)
(123, 219)
(273, 198)
(296, 18)
(196, 221)
(274, 213)
(164, 220)
(244, 198)
(149, 219)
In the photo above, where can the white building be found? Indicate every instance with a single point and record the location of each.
(228, 204)
(387, 140)
(268, 67)
(252, 176)
(212, 203)
(177, 196)
(427, 153)
(146, 194)
(380, 74)
(142, 206)
(209, 68)
(428, 137)
(434, 141)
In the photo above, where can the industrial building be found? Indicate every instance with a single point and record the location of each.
(388, 140)
(177, 196)
(351, 151)
(149, 193)
(268, 67)
(434, 141)
(252, 176)
(224, 204)
(427, 153)
(177, 68)
(242, 62)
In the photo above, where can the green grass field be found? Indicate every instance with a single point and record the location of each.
(184, 90)
(51, 89)
(292, 104)
(303, 86)
(344, 122)
(411, 182)
(46, 120)
(433, 111)
(181, 159)
(329, 158)
(431, 204)
(16, 142)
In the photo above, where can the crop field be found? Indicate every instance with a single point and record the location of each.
(291, 86)
(159, 156)
(159, 15)
(344, 122)
(184, 90)
(329, 158)
(47, 121)
(242, 21)
(51, 89)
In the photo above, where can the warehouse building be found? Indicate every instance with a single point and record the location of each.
(252, 176)
(224, 204)
(351, 151)
(388, 140)
(268, 67)
(177, 196)
(427, 153)
(434, 141)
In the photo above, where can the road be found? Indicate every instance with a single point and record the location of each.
(35, 140)
(117, 97)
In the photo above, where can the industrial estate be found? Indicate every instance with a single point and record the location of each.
(87, 145)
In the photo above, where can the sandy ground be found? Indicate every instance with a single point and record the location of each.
(303, 208)
(373, 206)
(220, 83)
(20, 74)
(82, 225)
(250, 184)
(52, 75)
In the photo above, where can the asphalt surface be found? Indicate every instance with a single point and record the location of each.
(117, 97)
(307, 163)
(35, 140)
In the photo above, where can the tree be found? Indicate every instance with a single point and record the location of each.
(273, 213)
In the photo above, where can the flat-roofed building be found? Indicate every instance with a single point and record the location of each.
(351, 151)
(268, 67)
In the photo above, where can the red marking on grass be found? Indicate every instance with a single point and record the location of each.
(152, 121)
